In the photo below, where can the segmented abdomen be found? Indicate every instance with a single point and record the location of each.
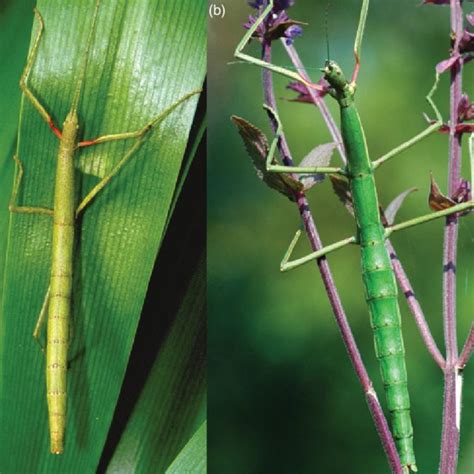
(379, 283)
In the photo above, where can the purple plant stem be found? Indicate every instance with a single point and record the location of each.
(335, 301)
(467, 350)
(318, 100)
(414, 306)
(399, 272)
(450, 432)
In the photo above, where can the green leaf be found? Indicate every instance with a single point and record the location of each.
(174, 392)
(192, 458)
(15, 28)
(145, 56)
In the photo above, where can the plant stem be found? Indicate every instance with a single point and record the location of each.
(414, 306)
(450, 433)
(335, 301)
(318, 101)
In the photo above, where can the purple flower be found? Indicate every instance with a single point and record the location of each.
(303, 94)
(278, 5)
(292, 32)
(277, 24)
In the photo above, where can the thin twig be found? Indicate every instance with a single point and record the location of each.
(450, 433)
(318, 101)
(333, 295)
(415, 307)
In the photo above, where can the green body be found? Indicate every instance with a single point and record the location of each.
(377, 273)
(59, 311)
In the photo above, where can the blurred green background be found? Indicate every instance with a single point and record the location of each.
(284, 397)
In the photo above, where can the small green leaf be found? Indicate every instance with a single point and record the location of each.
(256, 144)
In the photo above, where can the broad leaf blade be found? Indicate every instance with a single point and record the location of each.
(192, 458)
(15, 28)
(145, 56)
(174, 392)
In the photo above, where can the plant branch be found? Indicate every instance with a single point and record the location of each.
(318, 101)
(415, 307)
(340, 316)
(451, 410)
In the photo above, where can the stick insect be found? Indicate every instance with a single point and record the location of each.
(377, 273)
(57, 303)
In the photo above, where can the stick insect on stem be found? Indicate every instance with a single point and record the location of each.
(378, 276)
(57, 303)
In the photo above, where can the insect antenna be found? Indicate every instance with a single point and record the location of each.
(82, 72)
(326, 27)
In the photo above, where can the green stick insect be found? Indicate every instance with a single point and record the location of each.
(377, 272)
(57, 303)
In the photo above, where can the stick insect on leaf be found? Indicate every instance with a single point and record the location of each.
(128, 81)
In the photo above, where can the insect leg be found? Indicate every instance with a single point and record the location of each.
(464, 206)
(358, 40)
(434, 127)
(42, 318)
(16, 186)
(286, 264)
(140, 135)
(24, 78)
(144, 130)
(290, 169)
(238, 53)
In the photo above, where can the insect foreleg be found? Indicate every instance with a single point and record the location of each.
(264, 64)
(358, 40)
(24, 78)
(434, 127)
(16, 186)
(290, 169)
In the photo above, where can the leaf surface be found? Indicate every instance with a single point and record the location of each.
(145, 56)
